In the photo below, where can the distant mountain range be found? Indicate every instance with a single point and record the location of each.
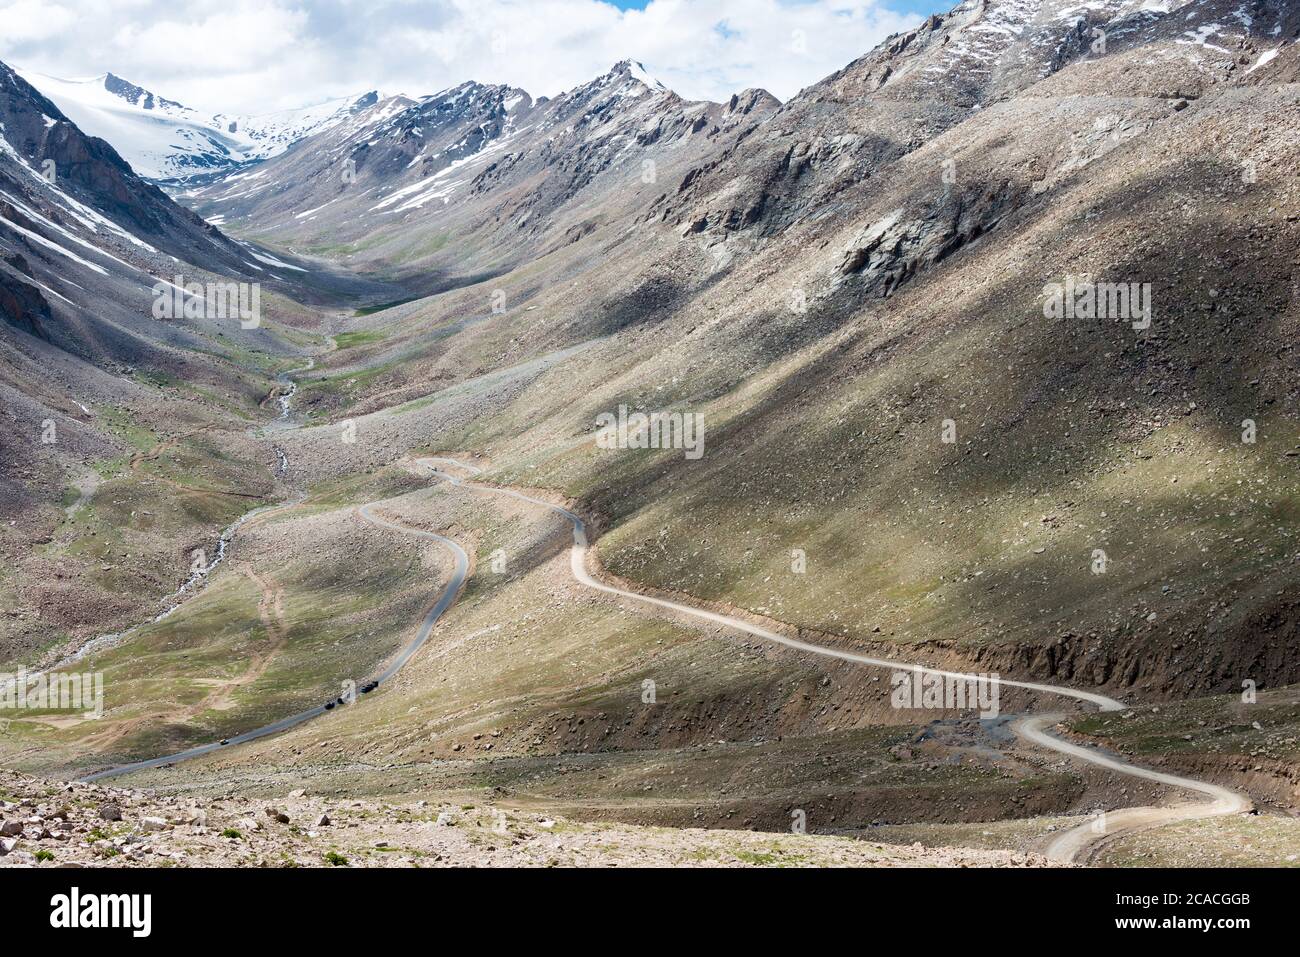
(852, 288)
(167, 142)
(397, 176)
(170, 144)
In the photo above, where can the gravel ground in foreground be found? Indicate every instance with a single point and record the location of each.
(50, 824)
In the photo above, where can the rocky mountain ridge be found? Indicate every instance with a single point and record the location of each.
(169, 143)
(483, 159)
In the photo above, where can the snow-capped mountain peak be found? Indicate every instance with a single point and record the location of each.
(137, 96)
(272, 133)
(168, 142)
(635, 71)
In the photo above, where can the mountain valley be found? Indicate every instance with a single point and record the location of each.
(240, 520)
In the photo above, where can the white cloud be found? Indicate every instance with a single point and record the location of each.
(238, 39)
(260, 55)
(33, 21)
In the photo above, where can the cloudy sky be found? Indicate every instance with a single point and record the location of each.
(253, 56)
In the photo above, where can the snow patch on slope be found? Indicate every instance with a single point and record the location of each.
(165, 141)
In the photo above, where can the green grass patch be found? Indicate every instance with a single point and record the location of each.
(347, 340)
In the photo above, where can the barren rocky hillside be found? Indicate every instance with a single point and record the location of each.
(923, 438)
(96, 387)
(479, 179)
(829, 299)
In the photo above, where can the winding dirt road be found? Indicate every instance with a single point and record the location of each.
(1082, 843)
(1079, 844)
(459, 574)
(1075, 845)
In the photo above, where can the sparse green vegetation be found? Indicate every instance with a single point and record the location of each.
(346, 340)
